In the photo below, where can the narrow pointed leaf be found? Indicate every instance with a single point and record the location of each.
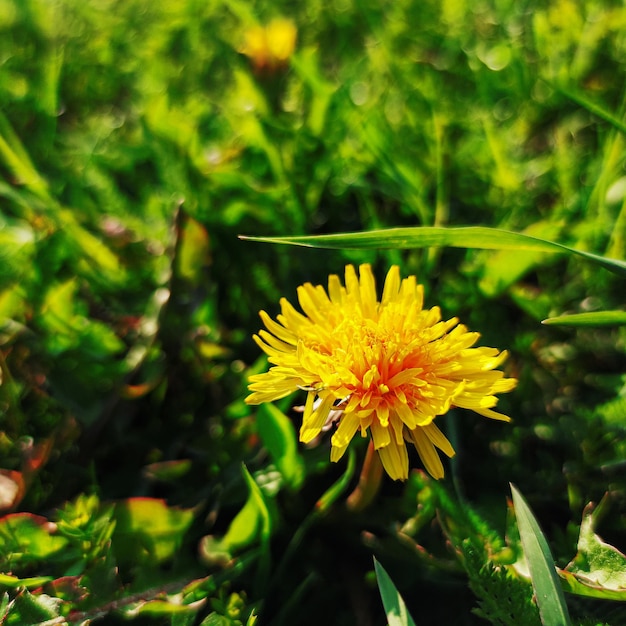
(395, 608)
(433, 236)
(548, 590)
(596, 318)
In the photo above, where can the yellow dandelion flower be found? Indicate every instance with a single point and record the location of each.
(387, 367)
(271, 46)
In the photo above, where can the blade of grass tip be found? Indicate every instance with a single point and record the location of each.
(548, 591)
(395, 608)
(596, 318)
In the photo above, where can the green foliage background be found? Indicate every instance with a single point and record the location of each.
(137, 142)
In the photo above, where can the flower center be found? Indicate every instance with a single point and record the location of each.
(375, 356)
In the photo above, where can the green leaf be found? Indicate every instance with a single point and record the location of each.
(148, 531)
(35, 609)
(279, 437)
(252, 522)
(250, 525)
(25, 538)
(596, 318)
(397, 614)
(548, 590)
(598, 570)
(432, 236)
(13, 582)
(183, 619)
(160, 607)
(67, 328)
(17, 247)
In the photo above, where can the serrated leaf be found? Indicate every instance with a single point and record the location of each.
(433, 236)
(548, 590)
(598, 570)
(395, 608)
(35, 609)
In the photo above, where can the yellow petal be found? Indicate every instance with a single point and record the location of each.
(382, 412)
(353, 290)
(392, 285)
(336, 452)
(275, 343)
(380, 435)
(348, 425)
(311, 303)
(335, 289)
(493, 415)
(439, 439)
(395, 460)
(313, 425)
(367, 288)
(277, 329)
(427, 453)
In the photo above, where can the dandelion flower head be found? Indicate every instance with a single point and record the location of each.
(383, 368)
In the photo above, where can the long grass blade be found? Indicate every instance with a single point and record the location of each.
(433, 236)
(596, 318)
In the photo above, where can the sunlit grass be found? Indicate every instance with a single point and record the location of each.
(139, 139)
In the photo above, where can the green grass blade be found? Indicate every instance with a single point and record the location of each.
(592, 107)
(596, 318)
(548, 590)
(337, 488)
(433, 236)
(395, 609)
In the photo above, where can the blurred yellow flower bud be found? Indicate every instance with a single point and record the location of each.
(270, 47)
